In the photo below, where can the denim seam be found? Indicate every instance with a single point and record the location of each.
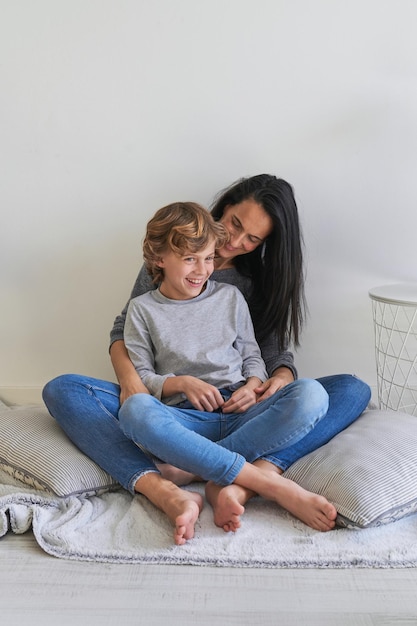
(277, 462)
(92, 391)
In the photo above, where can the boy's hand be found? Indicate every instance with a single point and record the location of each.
(243, 398)
(202, 396)
(280, 378)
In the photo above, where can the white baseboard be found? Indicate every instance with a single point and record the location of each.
(21, 395)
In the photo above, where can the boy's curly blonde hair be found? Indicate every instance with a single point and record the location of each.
(181, 227)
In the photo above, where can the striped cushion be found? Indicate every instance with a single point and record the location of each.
(368, 471)
(35, 450)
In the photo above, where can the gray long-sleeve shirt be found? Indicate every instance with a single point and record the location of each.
(210, 337)
(272, 355)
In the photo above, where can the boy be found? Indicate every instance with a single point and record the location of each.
(192, 343)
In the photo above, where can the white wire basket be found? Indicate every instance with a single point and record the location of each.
(394, 310)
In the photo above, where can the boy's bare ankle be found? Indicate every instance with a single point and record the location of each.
(267, 466)
(177, 476)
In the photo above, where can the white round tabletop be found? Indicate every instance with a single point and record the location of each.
(403, 293)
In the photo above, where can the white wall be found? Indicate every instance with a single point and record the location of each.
(111, 108)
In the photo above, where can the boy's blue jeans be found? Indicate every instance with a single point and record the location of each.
(186, 437)
(295, 423)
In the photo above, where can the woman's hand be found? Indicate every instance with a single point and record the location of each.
(279, 379)
(129, 380)
(130, 386)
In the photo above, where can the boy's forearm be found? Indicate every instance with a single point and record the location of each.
(173, 385)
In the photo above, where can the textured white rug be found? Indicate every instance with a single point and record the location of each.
(117, 528)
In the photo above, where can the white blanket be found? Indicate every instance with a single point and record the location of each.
(119, 528)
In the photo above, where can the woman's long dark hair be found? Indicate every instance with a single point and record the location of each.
(275, 267)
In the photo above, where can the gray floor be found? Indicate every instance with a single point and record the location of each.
(40, 589)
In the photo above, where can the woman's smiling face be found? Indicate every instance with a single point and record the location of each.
(248, 225)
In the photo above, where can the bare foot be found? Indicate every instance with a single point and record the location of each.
(229, 502)
(181, 507)
(312, 509)
(188, 511)
(227, 505)
(177, 476)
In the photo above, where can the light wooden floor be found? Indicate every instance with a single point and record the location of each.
(36, 588)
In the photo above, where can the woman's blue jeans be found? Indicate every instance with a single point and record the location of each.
(87, 409)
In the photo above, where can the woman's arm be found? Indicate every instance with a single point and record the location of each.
(143, 283)
(275, 358)
(129, 381)
(280, 366)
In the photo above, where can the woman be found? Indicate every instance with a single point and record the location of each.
(263, 258)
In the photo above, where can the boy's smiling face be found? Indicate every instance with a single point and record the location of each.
(185, 275)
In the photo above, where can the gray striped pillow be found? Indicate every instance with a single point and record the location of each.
(368, 471)
(35, 450)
